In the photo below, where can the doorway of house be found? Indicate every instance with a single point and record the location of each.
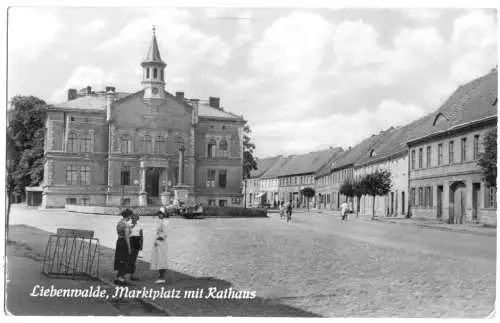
(439, 214)
(402, 202)
(476, 188)
(457, 203)
(153, 185)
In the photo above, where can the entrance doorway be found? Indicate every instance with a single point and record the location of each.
(476, 188)
(457, 203)
(153, 184)
(403, 203)
(439, 214)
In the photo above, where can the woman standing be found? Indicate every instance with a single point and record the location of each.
(136, 242)
(123, 250)
(160, 247)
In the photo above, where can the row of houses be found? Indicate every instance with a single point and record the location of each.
(432, 161)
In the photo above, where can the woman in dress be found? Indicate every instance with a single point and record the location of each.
(160, 247)
(136, 242)
(123, 250)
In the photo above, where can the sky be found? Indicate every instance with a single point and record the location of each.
(305, 79)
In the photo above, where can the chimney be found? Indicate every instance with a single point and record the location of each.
(89, 90)
(72, 94)
(214, 102)
(194, 103)
(349, 148)
(110, 98)
(179, 96)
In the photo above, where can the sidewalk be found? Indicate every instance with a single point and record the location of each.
(471, 228)
(34, 240)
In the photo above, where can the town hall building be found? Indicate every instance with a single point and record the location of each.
(115, 148)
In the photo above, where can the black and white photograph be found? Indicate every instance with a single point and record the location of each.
(255, 161)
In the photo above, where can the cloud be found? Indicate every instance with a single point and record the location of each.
(474, 46)
(292, 47)
(83, 76)
(30, 31)
(91, 28)
(182, 45)
(304, 135)
(422, 14)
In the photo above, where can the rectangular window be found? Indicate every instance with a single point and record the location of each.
(451, 153)
(85, 144)
(420, 196)
(126, 202)
(125, 176)
(71, 201)
(212, 202)
(476, 147)
(490, 198)
(420, 157)
(211, 178)
(413, 159)
(431, 204)
(463, 151)
(413, 201)
(428, 156)
(440, 154)
(222, 203)
(222, 178)
(85, 175)
(71, 175)
(85, 201)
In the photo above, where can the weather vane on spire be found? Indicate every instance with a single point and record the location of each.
(154, 30)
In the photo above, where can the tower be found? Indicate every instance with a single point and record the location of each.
(153, 76)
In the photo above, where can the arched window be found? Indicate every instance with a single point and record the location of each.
(161, 74)
(146, 145)
(223, 147)
(72, 145)
(86, 143)
(147, 73)
(211, 148)
(125, 144)
(155, 73)
(160, 145)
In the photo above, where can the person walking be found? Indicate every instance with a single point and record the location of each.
(282, 210)
(136, 243)
(123, 248)
(344, 208)
(160, 248)
(289, 212)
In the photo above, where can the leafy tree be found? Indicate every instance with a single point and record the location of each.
(488, 159)
(308, 192)
(375, 184)
(347, 188)
(25, 144)
(249, 162)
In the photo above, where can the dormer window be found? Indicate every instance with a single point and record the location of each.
(372, 152)
(440, 118)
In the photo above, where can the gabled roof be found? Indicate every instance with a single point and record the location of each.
(307, 163)
(263, 164)
(351, 156)
(470, 102)
(395, 141)
(326, 168)
(276, 168)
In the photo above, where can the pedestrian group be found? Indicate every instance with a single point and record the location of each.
(130, 242)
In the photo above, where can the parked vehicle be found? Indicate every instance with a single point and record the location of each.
(186, 210)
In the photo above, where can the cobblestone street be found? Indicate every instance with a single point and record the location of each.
(318, 264)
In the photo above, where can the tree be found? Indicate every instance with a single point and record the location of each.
(347, 188)
(25, 144)
(249, 162)
(375, 184)
(488, 159)
(358, 191)
(308, 192)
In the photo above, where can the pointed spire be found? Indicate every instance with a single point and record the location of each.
(153, 54)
